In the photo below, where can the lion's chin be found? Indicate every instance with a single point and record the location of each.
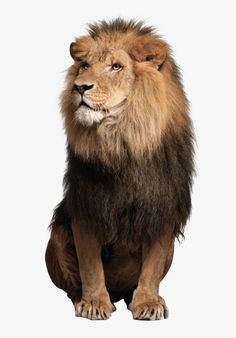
(88, 117)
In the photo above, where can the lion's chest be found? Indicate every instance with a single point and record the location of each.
(119, 204)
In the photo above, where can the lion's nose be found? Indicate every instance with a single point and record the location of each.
(83, 88)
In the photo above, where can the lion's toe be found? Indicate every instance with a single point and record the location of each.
(150, 310)
(94, 309)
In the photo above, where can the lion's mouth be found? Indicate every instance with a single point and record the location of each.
(87, 115)
(84, 104)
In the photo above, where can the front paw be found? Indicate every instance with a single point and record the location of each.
(148, 307)
(95, 307)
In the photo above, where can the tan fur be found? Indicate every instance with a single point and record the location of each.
(146, 302)
(139, 127)
(95, 302)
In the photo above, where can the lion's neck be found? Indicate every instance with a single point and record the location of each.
(115, 139)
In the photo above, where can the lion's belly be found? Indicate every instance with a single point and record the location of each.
(122, 268)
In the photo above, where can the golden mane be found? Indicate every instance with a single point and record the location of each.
(156, 104)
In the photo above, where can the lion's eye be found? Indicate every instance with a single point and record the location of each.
(116, 67)
(84, 66)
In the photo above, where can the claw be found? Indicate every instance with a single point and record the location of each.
(153, 309)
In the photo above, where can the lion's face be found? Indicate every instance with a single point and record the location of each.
(104, 72)
(102, 84)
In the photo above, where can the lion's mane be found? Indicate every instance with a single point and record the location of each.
(131, 179)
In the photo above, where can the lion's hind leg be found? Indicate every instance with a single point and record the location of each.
(53, 267)
(61, 259)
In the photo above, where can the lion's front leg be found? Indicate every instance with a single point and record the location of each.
(95, 302)
(146, 302)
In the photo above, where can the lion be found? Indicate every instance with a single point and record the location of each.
(127, 186)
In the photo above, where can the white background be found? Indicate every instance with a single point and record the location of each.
(34, 42)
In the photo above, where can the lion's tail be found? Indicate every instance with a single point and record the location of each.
(60, 217)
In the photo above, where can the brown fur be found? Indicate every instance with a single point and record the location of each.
(128, 180)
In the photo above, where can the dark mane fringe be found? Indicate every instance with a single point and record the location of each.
(119, 25)
(135, 208)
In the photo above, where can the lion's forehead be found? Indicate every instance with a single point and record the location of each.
(107, 55)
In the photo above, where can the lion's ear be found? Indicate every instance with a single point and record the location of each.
(80, 47)
(73, 50)
(149, 49)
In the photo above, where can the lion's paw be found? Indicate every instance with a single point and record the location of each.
(94, 309)
(155, 309)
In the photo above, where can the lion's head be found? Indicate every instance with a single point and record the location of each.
(123, 91)
(103, 83)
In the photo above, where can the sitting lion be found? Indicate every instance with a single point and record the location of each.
(129, 172)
